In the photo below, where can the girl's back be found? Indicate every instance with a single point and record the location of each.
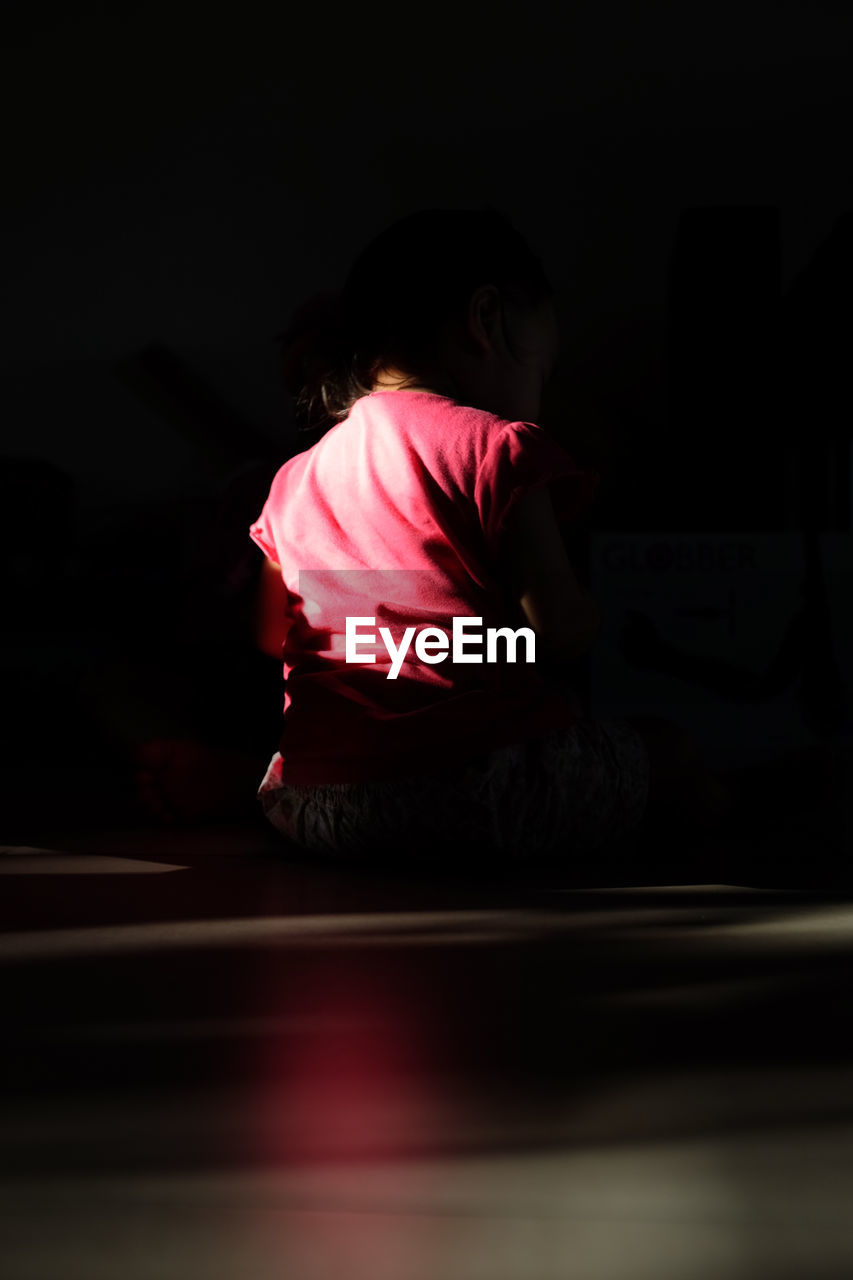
(396, 516)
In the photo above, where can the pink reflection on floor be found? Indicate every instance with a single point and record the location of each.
(359, 1078)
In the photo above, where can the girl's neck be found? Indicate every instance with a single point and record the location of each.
(396, 380)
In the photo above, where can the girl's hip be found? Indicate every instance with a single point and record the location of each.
(562, 795)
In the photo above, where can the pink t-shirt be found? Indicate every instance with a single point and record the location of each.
(396, 514)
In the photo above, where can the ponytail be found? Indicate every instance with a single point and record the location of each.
(315, 355)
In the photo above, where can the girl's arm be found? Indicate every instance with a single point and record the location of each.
(564, 616)
(271, 623)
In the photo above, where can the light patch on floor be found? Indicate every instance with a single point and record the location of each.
(384, 928)
(29, 860)
(733, 1205)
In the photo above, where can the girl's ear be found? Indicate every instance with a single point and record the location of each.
(484, 318)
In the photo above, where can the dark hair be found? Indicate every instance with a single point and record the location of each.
(416, 274)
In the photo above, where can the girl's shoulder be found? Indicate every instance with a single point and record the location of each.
(430, 418)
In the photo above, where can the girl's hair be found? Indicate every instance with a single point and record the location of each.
(404, 285)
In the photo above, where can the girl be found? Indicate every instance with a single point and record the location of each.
(436, 496)
(431, 494)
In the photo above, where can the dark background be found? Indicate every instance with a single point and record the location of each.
(179, 178)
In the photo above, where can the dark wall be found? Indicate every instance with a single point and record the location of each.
(183, 177)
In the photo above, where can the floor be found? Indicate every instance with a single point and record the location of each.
(223, 1062)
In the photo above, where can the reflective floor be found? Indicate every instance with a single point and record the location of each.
(221, 1062)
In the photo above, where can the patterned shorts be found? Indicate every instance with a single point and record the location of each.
(562, 796)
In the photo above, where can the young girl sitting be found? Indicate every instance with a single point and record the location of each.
(430, 495)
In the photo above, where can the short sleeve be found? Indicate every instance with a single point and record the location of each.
(261, 533)
(523, 458)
